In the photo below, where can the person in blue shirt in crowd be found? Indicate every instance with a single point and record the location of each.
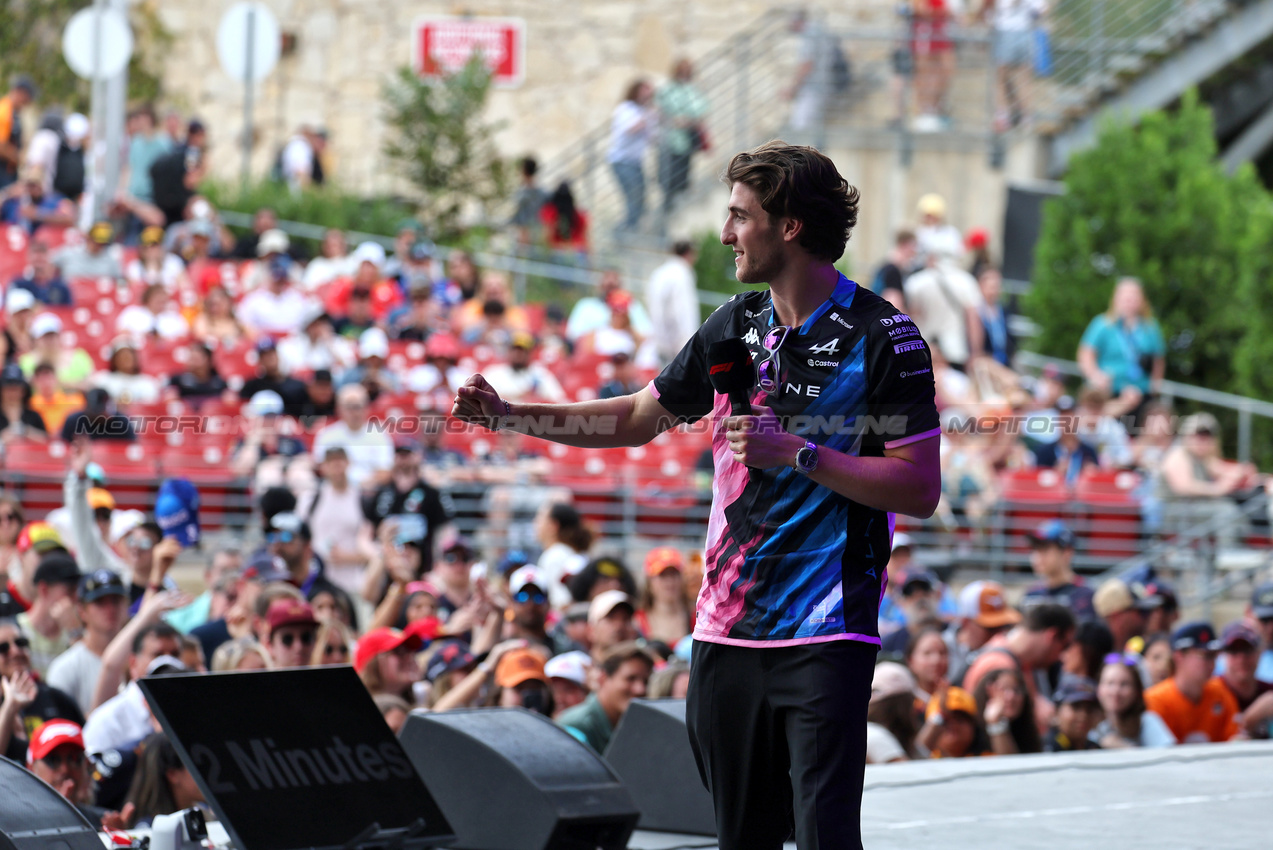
(1122, 351)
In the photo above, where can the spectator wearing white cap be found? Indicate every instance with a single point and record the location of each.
(1123, 609)
(983, 613)
(568, 677)
(935, 236)
(69, 164)
(273, 248)
(622, 675)
(367, 278)
(610, 622)
(528, 606)
(18, 307)
(371, 372)
(891, 720)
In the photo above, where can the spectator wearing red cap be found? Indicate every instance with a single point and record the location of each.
(57, 756)
(1127, 722)
(1240, 649)
(385, 660)
(292, 629)
(622, 675)
(1195, 706)
(568, 676)
(983, 614)
(666, 609)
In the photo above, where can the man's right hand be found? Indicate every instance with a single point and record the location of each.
(478, 403)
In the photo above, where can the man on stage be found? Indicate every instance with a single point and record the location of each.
(842, 433)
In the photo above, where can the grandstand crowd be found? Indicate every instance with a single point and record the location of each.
(154, 343)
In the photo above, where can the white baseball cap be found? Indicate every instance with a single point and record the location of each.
(272, 241)
(373, 343)
(45, 323)
(523, 576)
(571, 666)
(75, 128)
(605, 602)
(17, 300)
(370, 252)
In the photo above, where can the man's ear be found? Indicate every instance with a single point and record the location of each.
(791, 228)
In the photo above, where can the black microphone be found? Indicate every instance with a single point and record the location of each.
(732, 373)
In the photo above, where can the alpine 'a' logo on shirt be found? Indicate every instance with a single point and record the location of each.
(828, 347)
(751, 337)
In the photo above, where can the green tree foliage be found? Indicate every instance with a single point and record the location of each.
(439, 141)
(1151, 201)
(31, 43)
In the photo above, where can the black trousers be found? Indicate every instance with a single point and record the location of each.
(779, 735)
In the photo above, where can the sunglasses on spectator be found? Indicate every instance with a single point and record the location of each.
(1124, 658)
(306, 639)
(456, 557)
(769, 370)
(9, 516)
(527, 596)
(280, 537)
(56, 761)
(141, 542)
(339, 649)
(20, 643)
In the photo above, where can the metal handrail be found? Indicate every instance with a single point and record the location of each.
(1246, 407)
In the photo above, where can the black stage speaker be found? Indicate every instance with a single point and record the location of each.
(1022, 220)
(35, 817)
(507, 779)
(651, 753)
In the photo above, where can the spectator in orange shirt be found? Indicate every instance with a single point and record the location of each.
(368, 262)
(48, 400)
(1195, 705)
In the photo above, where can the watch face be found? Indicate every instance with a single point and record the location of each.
(806, 458)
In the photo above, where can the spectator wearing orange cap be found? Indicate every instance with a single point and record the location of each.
(292, 629)
(521, 683)
(666, 609)
(56, 755)
(983, 613)
(952, 726)
(385, 660)
(521, 378)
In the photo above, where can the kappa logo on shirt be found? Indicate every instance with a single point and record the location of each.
(751, 337)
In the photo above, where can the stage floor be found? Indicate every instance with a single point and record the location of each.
(1183, 798)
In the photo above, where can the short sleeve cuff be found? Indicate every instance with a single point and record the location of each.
(913, 438)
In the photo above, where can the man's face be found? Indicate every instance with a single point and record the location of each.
(268, 361)
(223, 564)
(1076, 719)
(105, 615)
(360, 303)
(55, 592)
(335, 468)
(530, 608)
(1049, 560)
(14, 659)
(264, 220)
(919, 603)
(40, 262)
(1195, 666)
(1055, 644)
(406, 465)
(141, 548)
(754, 236)
(153, 646)
(519, 357)
(66, 769)
(321, 392)
(1130, 622)
(353, 412)
(290, 547)
(292, 646)
(628, 683)
(1241, 659)
(566, 693)
(613, 628)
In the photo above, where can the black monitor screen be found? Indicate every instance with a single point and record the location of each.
(292, 758)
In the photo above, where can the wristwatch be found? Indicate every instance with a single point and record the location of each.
(807, 458)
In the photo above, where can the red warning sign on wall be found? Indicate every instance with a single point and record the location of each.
(443, 44)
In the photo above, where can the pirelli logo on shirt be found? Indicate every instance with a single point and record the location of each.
(903, 347)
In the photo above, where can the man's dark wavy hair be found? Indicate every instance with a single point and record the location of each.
(802, 183)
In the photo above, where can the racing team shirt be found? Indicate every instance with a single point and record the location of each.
(788, 561)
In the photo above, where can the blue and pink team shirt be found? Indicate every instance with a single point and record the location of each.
(788, 561)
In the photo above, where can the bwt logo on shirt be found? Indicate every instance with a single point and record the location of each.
(899, 319)
(902, 348)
